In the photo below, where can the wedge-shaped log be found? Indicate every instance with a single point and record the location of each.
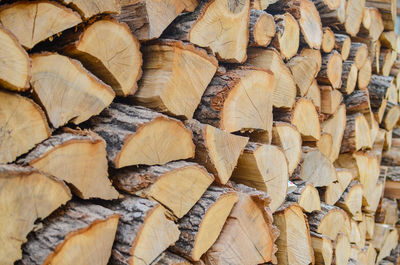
(33, 22)
(264, 167)
(357, 134)
(328, 40)
(332, 16)
(387, 212)
(139, 136)
(331, 70)
(248, 236)
(201, 226)
(238, 100)
(384, 62)
(354, 16)
(20, 117)
(342, 45)
(261, 28)
(342, 249)
(388, 39)
(315, 54)
(77, 157)
(306, 195)
(175, 76)
(169, 258)
(387, 9)
(323, 248)
(143, 233)
(90, 8)
(83, 233)
(314, 93)
(217, 150)
(391, 241)
(390, 116)
(284, 94)
(304, 69)
(364, 75)
(334, 191)
(372, 24)
(66, 90)
(351, 200)
(15, 70)
(358, 54)
(293, 225)
(287, 36)
(218, 25)
(349, 77)
(330, 99)
(335, 126)
(26, 196)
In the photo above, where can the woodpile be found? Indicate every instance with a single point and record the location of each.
(204, 132)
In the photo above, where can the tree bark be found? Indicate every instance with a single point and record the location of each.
(261, 28)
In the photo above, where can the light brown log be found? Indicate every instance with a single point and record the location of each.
(331, 70)
(372, 24)
(90, 8)
(328, 40)
(371, 254)
(190, 5)
(379, 89)
(354, 16)
(77, 157)
(326, 6)
(349, 77)
(294, 242)
(332, 16)
(358, 101)
(335, 126)
(387, 8)
(387, 212)
(342, 45)
(358, 54)
(314, 93)
(374, 55)
(217, 150)
(390, 243)
(377, 134)
(176, 185)
(248, 236)
(169, 258)
(143, 233)
(26, 195)
(15, 70)
(323, 248)
(23, 125)
(330, 99)
(201, 227)
(315, 54)
(364, 75)
(351, 200)
(83, 233)
(388, 140)
(391, 116)
(66, 90)
(33, 22)
(265, 168)
(381, 231)
(284, 94)
(306, 195)
(175, 76)
(357, 134)
(262, 28)
(386, 59)
(304, 69)
(218, 25)
(287, 35)
(392, 189)
(238, 100)
(261, 4)
(334, 191)
(342, 249)
(325, 143)
(139, 136)
(388, 40)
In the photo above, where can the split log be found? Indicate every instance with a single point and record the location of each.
(190, 5)
(388, 9)
(388, 40)
(325, 143)
(82, 233)
(381, 231)
(364, 75)
(349, 77)
(379, 88)
(169, 258)
(216, 150)
(20, 117)
(176, 185)
(175, 76)
(358, 54)
(265, 168)
(143, 233)
(304, 116)
(335, 126)
(328, 39)
(287, 37)
(148, 19)
(201, 227)
(77, 157)
(342, 45)
(390, 116)
(139, 136)
(238, 100)
(287, 137)
(342, 249)
(387, 212)
(284, 94)
(90, 8)
(358, 101)
(261, 28)
(307, 16)
(335, 190)
(388, 140)
(323, 248)
(330, 99)
(372, 24)
(306, 195)
(304, 69)
(385, 61)
(315, 54)
(371, 254)
(33, 22)
(248, 235)
(331, 70)
(351, 200)
(377, 134)
(357, 135)
(390, 243)
(293, 225)
(218, 25)
(354, 16)
(75, 100)
(117, 61)
(332, 16)
(15, 71)
(26, 196)
(314, 93)
(347, 161)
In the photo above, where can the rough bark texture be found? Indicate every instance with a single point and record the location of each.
(358, 101)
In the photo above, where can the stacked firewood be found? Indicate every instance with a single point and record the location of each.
(199, 132)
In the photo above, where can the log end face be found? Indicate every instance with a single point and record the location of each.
(310, 24)
(305, 118)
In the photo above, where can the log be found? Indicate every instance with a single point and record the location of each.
(216, 150)
(387, 8)
(342, 249)
(143, 233)
(169, 258)
(392, 158)
(388, 40)
(379, 89)
(175, 185)
(304, 69)
(179, 92)
(381, 231)
(67, 101)
(325, 143)
(342, 45)
(248, 235)
(26, 195)
(117, 61)
(391, 116)
(326, 6)
(33, 22)
(314, 93)
(357, 134)
(19, 117)
(264, 167)
(306, 195)
(77, 157)
(335, 190)
(358, 54)
(82, 233)
(358, 101)
(261, 28)
(330, 100)
(218, 25)
(315, 54)
(387, 212)
(386, 59)
(201, 227)
(377, 134)
(88, 9)
(323, 248)
(190, 5)
(15, 71)
(287, 35)
(148, 19)
(372, 24)
(349, 77)
(390, 243)
(333, 16)
(354, 16)
(328, 39)
(364, 75)
(284, 94)
(331, 70)
(351, 200)
(304, 116)
(335, 126)
(238, 100)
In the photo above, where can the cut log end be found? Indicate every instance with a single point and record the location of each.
(287, 35)
(305, 118)
(310, 24)
(262, 28)
(328, 40)
(88, 9)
